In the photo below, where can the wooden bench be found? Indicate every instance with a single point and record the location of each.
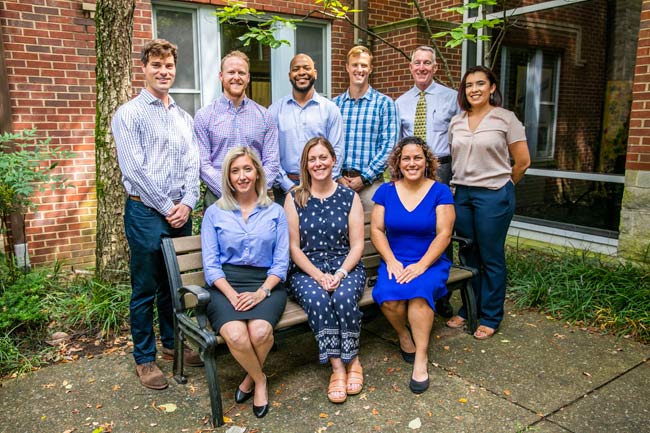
(185, 270)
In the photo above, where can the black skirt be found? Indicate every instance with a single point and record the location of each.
(245, 279)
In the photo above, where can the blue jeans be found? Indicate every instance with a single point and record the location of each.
(145, 228)
(484, 216)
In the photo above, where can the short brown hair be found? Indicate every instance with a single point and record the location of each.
(158, 48)
(357, 51)
(431, 170)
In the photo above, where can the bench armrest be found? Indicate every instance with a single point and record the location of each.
(464, 245)
(196, 298)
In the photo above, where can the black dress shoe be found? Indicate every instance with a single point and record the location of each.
(419, 387)
(408, 356)
(241, 396)
(261, 411)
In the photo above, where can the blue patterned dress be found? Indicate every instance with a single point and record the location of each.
(334, 317)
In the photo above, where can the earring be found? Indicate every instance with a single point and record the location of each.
(491, 98)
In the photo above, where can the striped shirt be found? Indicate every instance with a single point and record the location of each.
(157, 152)
(319, 117)
(220, 127)
(370, 132)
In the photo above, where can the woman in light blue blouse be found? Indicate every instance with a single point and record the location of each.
(245, 242)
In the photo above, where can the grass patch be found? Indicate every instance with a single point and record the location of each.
(44, 300)
(582, 288)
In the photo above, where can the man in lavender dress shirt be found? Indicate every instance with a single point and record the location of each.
(234, 120)
(159, 160)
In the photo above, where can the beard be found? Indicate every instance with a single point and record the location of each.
(303, 89)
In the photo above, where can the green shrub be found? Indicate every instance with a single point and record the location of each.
(582, 288)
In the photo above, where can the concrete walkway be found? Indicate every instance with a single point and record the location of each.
(536, 374)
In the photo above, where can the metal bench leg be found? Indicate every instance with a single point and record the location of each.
(469, 301)
(215, 390)
(179, 359)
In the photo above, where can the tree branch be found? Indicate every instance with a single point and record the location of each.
(435, 46)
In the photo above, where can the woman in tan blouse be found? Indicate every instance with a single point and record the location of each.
(483, 139)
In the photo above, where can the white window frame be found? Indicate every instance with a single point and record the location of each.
(208, 52)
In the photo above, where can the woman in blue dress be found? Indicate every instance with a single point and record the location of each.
(326, 244)
(411, 226)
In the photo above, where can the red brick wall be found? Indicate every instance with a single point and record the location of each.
(50, 56)
(638, 150)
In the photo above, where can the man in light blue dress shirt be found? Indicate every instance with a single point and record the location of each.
(300, 116)
(158, 156)
(370, 128)
(441, 107)
(234, 120)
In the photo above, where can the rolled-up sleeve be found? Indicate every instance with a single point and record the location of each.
(280, 263)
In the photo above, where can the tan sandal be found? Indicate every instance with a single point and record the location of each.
(355, 377)
(456, 322)
(337, 384)
(484, 332)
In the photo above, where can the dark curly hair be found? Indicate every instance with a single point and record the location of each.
(431, 170)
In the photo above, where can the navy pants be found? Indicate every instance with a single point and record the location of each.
(145, 228)
(484, 216)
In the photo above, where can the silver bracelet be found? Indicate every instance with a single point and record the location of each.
(342, 271)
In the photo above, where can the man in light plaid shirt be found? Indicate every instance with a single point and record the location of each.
(159, 159)
(371, 127)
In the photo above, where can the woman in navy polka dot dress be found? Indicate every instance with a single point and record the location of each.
(326, 242)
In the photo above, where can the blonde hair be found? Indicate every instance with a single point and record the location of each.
(303, 192)
(357, 51)
(228, 200)
(239, 55)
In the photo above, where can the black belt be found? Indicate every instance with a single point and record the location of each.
(444, 159)
(350, 173)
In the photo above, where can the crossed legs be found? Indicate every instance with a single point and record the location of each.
(249, 343)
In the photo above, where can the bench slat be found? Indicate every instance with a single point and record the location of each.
(190, 262)
(187, 244)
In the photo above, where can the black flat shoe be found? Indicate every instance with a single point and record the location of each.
(261, 411)
(419, 387)
(408, 357)
(241, 396)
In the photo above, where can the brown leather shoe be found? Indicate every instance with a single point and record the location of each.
(191, 358)
(151, 376)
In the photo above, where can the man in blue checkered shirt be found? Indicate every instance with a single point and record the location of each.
(371, 127)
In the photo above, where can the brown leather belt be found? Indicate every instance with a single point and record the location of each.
(293, 176)
(136, 198)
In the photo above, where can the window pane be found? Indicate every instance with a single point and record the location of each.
(259, 88)
(548, 78)
(178, 28)
(309, 40)
(514, 81)
(581, 204)
(189, 102)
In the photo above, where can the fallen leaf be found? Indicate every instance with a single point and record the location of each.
(445, 347)
(415, 424)
(505, 341)
(98, 406)
(330, 423)
(462, 400)
(397, 388)
(69, 430)
(323, 415)
(506, 392)
(586, 374)
(235, 429)
(226, 419)
(167, 407)
(116, 388)
(363, 396)
(375, 412)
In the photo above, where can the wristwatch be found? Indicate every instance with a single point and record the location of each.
(267, 291)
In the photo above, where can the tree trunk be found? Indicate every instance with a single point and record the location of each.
(114, 23)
